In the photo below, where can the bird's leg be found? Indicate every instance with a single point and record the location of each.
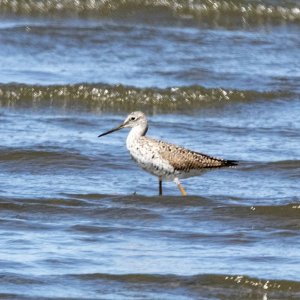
(160, 187)
(182, 190)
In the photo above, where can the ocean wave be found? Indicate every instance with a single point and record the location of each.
(289, 212)
(41, 160)
(283, 165)
(100, 97)
(214, 12)
(136, 206)
(198, 281)
(287, 169)
(152, 286)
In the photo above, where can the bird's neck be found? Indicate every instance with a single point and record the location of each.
(135, 133)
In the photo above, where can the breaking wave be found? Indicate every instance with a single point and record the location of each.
(100, 97)
(214, 12)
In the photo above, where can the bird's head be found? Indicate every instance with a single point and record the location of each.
(134, 119)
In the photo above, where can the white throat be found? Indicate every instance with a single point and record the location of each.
(135, 133)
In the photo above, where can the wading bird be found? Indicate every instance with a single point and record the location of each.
(167, 161)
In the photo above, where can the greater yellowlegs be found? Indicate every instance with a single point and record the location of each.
(167, 161)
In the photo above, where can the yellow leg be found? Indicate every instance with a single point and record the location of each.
(182, 190)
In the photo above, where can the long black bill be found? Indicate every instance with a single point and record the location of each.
(112, 130)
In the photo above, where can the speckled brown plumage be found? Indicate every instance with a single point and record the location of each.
(186, 160)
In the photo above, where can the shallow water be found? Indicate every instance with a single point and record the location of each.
(78, 218)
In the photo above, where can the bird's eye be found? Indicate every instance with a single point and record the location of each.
(132, 118)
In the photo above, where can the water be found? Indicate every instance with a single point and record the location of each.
(78, 218)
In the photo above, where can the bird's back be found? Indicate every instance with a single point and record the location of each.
(174, 160)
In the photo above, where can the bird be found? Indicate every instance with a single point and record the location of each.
(169, 162)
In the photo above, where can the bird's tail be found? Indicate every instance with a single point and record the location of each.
(230, 163)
